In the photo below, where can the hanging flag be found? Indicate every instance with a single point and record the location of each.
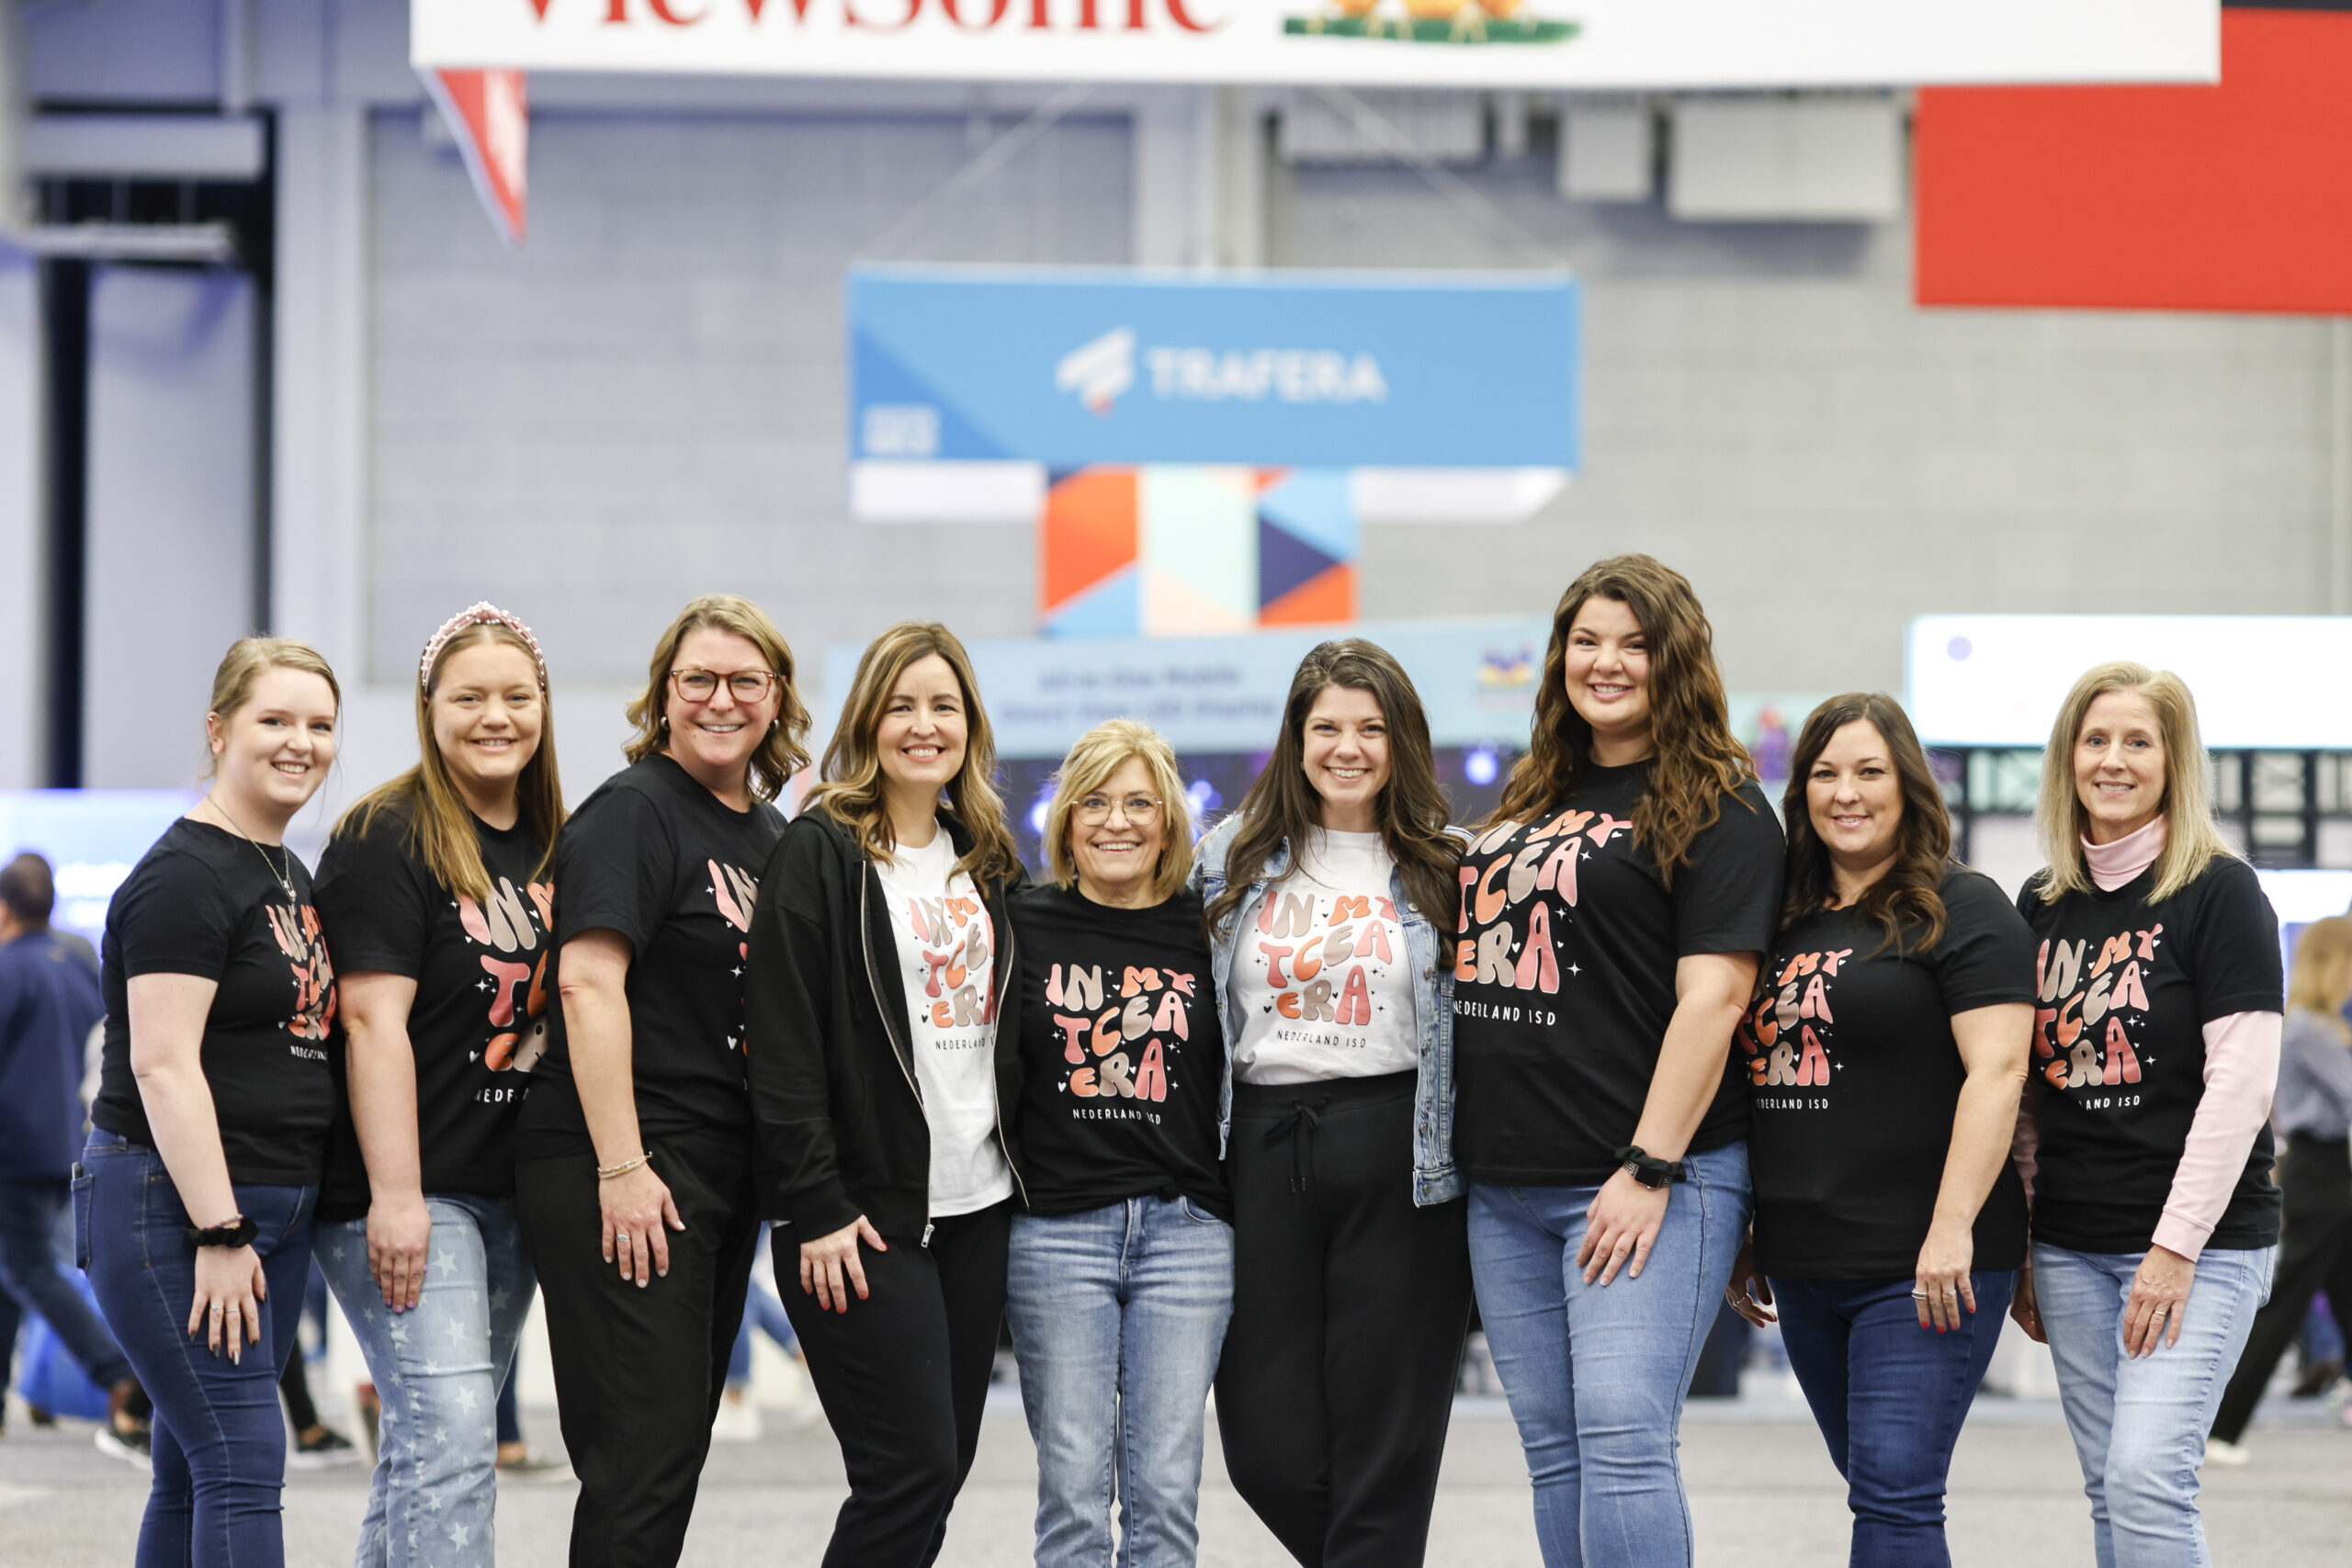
(490, 114)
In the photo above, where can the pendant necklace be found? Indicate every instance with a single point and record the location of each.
(283, 878)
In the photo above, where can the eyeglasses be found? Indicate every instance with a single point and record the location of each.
(1095, 809)
(701, 685)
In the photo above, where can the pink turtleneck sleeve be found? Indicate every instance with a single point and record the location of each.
(2241, 1076)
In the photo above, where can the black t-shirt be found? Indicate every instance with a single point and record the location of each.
(664, 863)
(479, 1024)
(204, 901)
(1564, 976)
(1121, 1053)
(1855, 1079)
(2126, 984)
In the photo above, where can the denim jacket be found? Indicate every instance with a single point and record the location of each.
(1434, 1178)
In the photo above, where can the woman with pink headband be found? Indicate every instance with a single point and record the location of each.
(437, 897)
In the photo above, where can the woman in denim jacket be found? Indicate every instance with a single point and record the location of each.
(1351, 1280)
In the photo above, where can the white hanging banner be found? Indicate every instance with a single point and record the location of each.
(1433, 43)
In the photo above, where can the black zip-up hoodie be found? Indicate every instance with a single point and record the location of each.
(834, 1104)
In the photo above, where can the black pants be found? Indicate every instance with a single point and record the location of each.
(2314, 1255)
(903, 1376)
(1350, 1306)
(638, 1370)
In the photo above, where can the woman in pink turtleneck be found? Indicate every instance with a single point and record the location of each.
(2145, 1141)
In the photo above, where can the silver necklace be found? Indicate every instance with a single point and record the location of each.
(283, 878)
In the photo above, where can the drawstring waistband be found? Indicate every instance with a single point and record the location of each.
(1298, 1125)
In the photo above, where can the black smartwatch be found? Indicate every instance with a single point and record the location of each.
(239, 1232)
(1651, 1172)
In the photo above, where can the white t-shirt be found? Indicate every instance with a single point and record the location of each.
(1321, 975)
(946, 952)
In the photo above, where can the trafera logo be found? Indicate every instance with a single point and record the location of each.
(1099, 371)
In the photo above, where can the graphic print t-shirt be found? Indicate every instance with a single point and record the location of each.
(479, 1024)
(1122, 1056)
(1322, 980)
(202, 902)
(948, 965)
(1855, 1079)
(657, 858)
(2125, 987)
(1564, 964)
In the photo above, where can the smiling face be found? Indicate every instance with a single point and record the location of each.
(271, 755)
(1854, 798)
(1117, 857)
(1606, 666)
(714, 739)
(921, 739)
(2120, 764)
(1344, 748)
(488, 714)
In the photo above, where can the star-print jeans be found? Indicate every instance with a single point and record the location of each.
(437, 1367)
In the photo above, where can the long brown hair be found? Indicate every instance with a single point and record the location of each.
(440, 828)
(851, 793)
(1910, 893)
(1697, 762)
(782, 752)
(1282, 808)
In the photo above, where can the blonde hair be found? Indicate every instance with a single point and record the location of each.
(2316, 984)
(1100, 752)
(441, 829)
(781, 752)
(2192, 841)
(851, 793)
(242, 668)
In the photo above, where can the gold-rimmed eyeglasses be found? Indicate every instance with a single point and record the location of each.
(1095, 809)
(701, 685)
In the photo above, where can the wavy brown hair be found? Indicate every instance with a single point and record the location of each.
(440, 828)
(782, 751)
(1696, 761)
(1910, 895)
(851, 790)
(1282, 809)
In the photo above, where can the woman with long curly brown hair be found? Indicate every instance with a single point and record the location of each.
(1351, 1289)
(1612, 916)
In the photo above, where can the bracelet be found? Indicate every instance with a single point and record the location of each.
(606, 1173)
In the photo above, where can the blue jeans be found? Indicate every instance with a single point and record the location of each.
(1118, 1314)
(219, 1441)
(437, 1369)
(30, 1278)
(2139, 1423)
(1890, 1397)
(1596, 1374)
(762, 1310)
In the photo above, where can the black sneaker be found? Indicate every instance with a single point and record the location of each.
(321, 1447)
(133, 1443)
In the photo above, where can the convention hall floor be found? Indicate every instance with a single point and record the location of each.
(1761, 1489)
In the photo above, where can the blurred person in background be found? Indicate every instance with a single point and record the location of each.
(633, 1164)
(2147, 1127)
(2313, 1113)
(880, 964)
(1326, 894)
(216, 1095)
(1613, 913)
(433, 883)
(1121, 1258)
(1885, 1052)
(49, 1002)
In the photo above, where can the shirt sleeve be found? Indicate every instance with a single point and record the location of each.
(176, 919)
(1985, 957)
(2240, 1072)
(615, 867)
(2233, 940)
(1727, 895)
(371, 900)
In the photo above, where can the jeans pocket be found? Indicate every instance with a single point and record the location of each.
(1195, 1213)
(83, 1183)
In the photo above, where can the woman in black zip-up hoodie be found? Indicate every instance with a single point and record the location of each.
(878, 958)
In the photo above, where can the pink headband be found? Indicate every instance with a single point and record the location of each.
(481, 613)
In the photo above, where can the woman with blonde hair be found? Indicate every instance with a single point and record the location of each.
(2156, 1051)
(634, 1162)
(209, 1128)
(1122, 1257)
(1613, 913)
(2314, 1115)
(432, 884)
(878, 971)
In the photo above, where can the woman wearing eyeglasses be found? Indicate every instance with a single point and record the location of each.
(1122, 1264)
(633, 1168)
